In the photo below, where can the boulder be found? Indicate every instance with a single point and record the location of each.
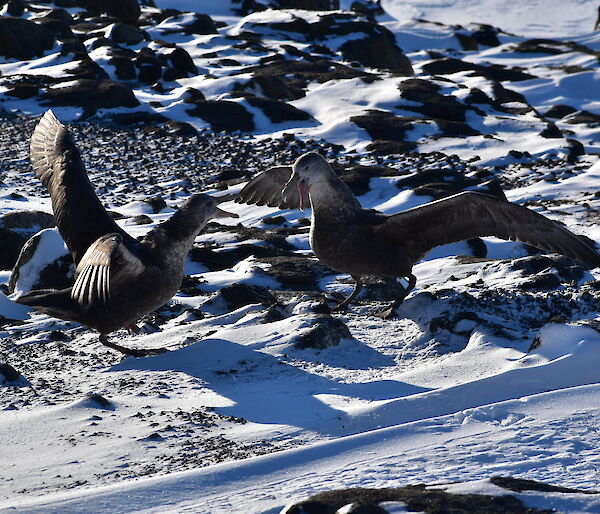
(182, 60)
(92, 95)
(239, 295)
(23, 39)
(325, 332)
(309, 5)
(202, 24)
(224, 115)
(123, 33)
(278, 111)
(124, 10)
(44, 263)
(27, 222)
(8, 373)
(379, 50)
(434, 104)
(10, 246)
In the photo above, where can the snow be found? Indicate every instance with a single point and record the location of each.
(50, 247)
(401, 402)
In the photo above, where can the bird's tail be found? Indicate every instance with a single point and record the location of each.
(55, 302)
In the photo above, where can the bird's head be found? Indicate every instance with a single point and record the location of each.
(202, 208)
(308, 170)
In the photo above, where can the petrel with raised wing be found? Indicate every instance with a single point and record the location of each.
(118, 279)
(363, 242)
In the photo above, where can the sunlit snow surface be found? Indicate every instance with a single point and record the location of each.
(396, 404)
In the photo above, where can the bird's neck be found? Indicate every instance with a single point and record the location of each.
(332, 197)
(173, 238)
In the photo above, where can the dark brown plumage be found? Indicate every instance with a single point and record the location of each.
(118, 279)
(365, 242)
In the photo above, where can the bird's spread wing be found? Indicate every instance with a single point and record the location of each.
(265, 189)
(79, 215)
(470, 214)
(106, 257)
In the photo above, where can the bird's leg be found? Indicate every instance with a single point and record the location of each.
(132, 328)
(130, 351)
(357, 288)
(389, 311)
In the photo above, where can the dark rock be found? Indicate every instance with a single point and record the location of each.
(358, 178)
(55, 275)
(239, 295)
(157, 203)
(295, 272)
(325, 332)
(137, 118)
(309, 5)
(224, 115)
(519, 485)
(552, 47)
(124, 67)
(23, 39)
(216, 261)
(8, 373)
(567, 269)
(271, 87)
(486, 35)
(575, 149)
(27, 221)
(449, 65)
(16, 7)
(378, 51)
(438, 183)
(559, 111)
(551, 131)
(182, 60)
(91, 95)
(274, 220)
(477, 96)
(149, 73)
(503, 95)
(417, 499)
(192, 96)
(23, 88)
(10, 246)
(58, 14)
(296, 75)
(141, 219)
(181, 128)
(278, 111)
(100, 401)
(124, 10)
(58, 335)
(202, 24)
(583, 116)
(122, 33)
(386, 127)
(435, 105)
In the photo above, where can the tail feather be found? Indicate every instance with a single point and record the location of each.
(55, 302)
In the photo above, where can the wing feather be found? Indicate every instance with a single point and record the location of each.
(104, 261)
(471, 214)
(265, 189)
(80, 217)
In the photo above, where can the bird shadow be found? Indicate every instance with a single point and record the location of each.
(265, 389)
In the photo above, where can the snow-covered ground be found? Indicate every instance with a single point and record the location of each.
(484, 372)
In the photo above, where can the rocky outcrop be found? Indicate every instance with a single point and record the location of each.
(23, 39)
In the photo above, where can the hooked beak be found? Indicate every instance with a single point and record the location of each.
(303, 192)
(289, 191)
(220, 213)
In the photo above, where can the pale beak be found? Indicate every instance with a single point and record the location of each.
(289, 191)
(220, 213)
(303, 192)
